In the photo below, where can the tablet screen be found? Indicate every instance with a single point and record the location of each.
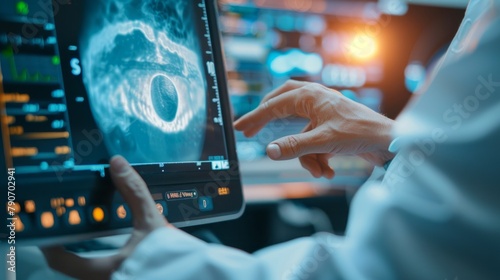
(89, 80)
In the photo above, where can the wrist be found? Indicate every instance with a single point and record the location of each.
(383, 139)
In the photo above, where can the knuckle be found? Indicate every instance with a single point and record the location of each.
(313, 87)
(313, 91)
(310, 88)
(292, 83)
(266, 105)
(306, 103)
(293, 145)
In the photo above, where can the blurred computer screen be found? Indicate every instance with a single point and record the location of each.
(374, 52)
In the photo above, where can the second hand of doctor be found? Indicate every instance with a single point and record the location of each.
(145, 217)
(337, 125)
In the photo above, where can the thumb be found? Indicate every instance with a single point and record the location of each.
(288, 147)
(136, 194)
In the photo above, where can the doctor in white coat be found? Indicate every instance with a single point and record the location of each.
(434, 215)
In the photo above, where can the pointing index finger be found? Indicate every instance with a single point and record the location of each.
(279, 107)
(288, 86)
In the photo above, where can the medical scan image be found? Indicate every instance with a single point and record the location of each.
(143, 72)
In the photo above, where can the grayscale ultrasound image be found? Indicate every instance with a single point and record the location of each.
(143, 72)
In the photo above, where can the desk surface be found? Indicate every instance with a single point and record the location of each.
(267, 180)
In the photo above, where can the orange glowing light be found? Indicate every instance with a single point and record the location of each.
(9, 119)
(159, 207)
(47, 219)
(60, 211)
(15, 97)
(74, 218)
(24, 152)
(98, 214)
(33, 118)
(81, 200)
(19, 226)
(362, 47)
(62, 150)
(16, 130)
(29, 206)
(70, 202)
(46, 135)
(223, 191)
(121, 212)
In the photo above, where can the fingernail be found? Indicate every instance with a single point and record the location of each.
(118, 164)
(273, 151)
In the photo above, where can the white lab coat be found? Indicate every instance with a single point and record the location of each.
(435, 215)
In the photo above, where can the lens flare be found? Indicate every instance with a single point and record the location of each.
(362, 47)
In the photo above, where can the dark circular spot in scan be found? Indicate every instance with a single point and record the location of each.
(164, 97)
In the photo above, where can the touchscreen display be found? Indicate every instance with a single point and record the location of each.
(82, 81)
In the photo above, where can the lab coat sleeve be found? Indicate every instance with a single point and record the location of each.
(169, 253)
(435, 215)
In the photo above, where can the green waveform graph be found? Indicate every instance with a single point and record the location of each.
(29, 68)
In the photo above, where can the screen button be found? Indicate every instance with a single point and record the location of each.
(122, 212)
(162, 207)
(74, 217)
(81, 201)
(98, 214)
(60, 211)
(205, 203)
(29, 206)
(21, 223)
(47, 220)
(69, 202)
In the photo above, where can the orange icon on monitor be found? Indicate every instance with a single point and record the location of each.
(19, 224)
(98, 214)
(47, 219)
(81, 200)
(159, 207)
(74, 218)
(69, 202)
(60, 211)
(121, 212)
(29, 206)
(223, 190)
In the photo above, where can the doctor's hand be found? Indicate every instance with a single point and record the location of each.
(337, 125)
(146, 219)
